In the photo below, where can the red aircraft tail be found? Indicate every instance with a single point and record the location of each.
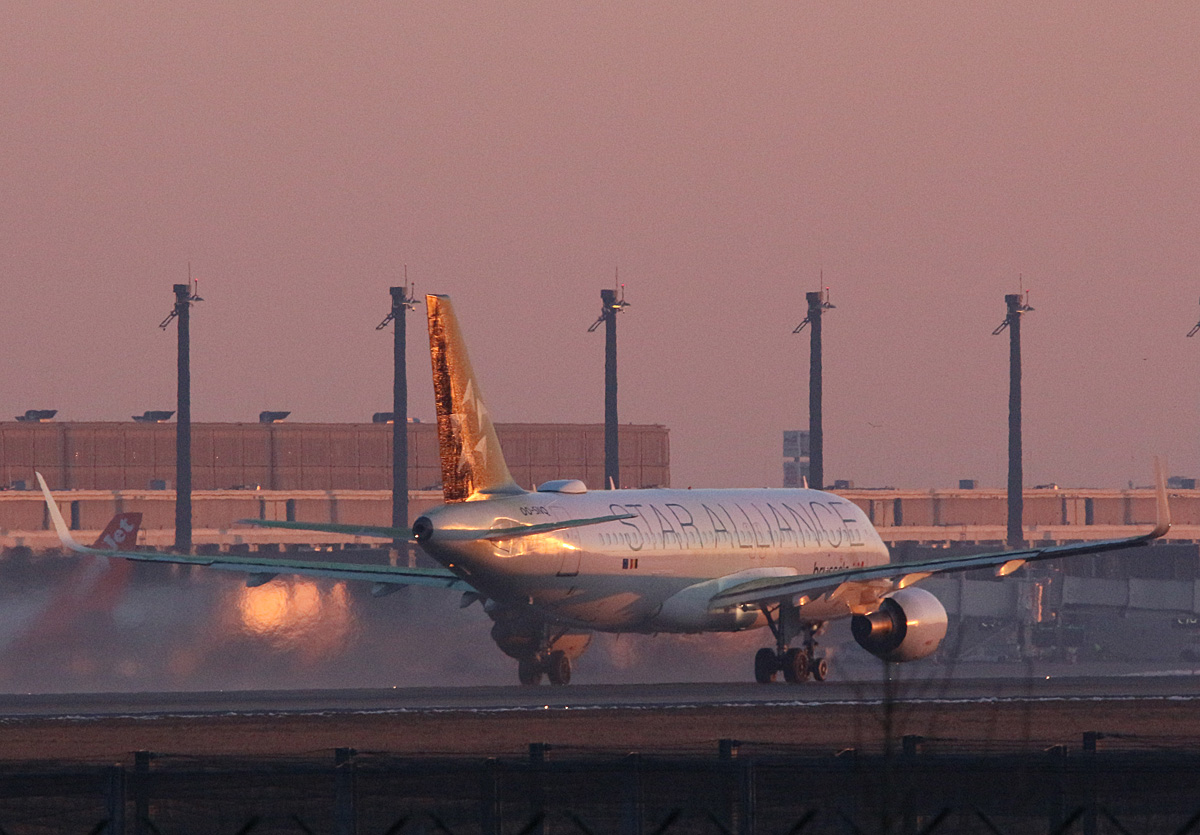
(121, 532)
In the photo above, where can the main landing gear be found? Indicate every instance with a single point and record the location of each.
(541, 650)
(556, 666)
(796, 663)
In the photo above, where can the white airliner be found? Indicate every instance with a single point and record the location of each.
(553, 565)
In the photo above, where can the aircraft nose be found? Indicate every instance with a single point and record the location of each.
(422, 529)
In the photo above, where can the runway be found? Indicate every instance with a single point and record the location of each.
(979, 714)
(1185, 685)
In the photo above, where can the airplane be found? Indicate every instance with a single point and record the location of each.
(555, 564)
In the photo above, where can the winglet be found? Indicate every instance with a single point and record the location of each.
(64, 533)
(1162, 508)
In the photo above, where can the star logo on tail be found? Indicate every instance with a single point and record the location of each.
(473, 458)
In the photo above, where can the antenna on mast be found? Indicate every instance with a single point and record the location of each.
(1017, 305)
(822, 302)
(190, 297)
(611, 301)
(195, 282)
(406, 301)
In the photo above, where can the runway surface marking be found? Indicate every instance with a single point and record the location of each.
(518, 700)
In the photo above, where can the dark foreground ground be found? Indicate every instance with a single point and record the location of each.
(1092, 755)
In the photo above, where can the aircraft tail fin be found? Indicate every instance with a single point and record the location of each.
(473, 465)
(122, 532)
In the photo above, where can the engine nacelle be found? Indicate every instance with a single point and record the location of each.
(908, 625)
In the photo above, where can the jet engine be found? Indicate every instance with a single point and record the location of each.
(908, 625)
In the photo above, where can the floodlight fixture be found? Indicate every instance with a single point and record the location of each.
(153, 416)
(37, 415)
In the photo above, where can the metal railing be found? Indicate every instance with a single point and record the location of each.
(1108, 784)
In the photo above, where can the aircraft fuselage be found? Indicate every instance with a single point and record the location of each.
(632, 575)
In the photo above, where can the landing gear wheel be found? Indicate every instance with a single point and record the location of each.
(558, 668)
(820, 669)
(766, 665)
(529, 672)
(795, 665)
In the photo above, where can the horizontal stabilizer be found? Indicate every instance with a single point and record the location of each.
(496, 534)
(456, 535)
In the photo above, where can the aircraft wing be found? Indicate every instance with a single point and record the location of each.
(262, 568)
(773, 589)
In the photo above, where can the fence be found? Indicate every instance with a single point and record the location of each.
(919, 788)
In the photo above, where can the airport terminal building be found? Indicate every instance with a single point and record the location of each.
(280, 471)
(307, 456)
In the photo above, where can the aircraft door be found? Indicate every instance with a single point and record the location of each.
(569, 548)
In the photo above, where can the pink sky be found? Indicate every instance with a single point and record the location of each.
(512, 154)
